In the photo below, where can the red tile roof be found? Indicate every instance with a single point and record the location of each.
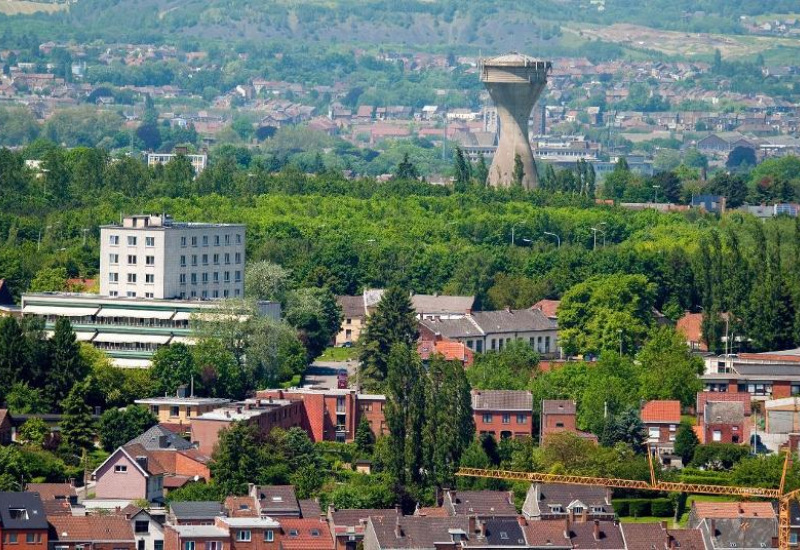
(452, 351)
(90, 528)
(305, 534)
(665, 412)
(548, 307)
(723, 510)
(691, 325)
(241, 507)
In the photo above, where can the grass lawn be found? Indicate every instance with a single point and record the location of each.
(338, 354)
(646, 519)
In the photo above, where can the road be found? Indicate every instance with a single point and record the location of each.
(323, 373)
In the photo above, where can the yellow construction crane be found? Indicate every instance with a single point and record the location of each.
(784, 499)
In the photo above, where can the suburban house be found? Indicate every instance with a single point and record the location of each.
(305, 533)
(560, 415)
(276, 501)
(91, 533)
(57, 498)
(418, 532)
(6, 427)
(148, 528)
(769, 375)
(482, 504)
(573, 502)
(23, 523)
(451, 351)
(348, 525)
(661, 420)
(181, 408)
(548, 307)
(656, 536)
(491, 330)
(194, 512)
(691, 326)
(740, 525)
(223, 533)
(503, 413)
(147, 465)
(723, 417)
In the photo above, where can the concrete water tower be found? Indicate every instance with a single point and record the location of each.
(515, 82)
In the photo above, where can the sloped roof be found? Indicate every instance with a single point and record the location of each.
(662, 411)
(31, 502)
(743, 532)
(309, 508)
(463, 327)
(548, 307)
(583, 536)
(417, 532)
(351, 517)
(52, 491)
(513, 320)
(4, 414)
(196, 510)
(722, 510)
(160, 438)
(432, 304)
(497, 400)
(558, 406)
(549, 533)
(642, 536)
(500, 532)
(91, 528)
(305, 534)
(352, 306)
(278, 499)
(481, 503)
(241, 507)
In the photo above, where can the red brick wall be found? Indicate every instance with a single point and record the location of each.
(22, 543)
(727, 433)
(496, 427)
(257, 541)
(781, 389)
(373, 410)
(206, 434)
(550, 423)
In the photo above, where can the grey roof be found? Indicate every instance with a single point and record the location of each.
(558, 406)
(352, 517)
(158, 438)
(766, 369)
(438, 304)
(502, 532)
(724, 412)
(463, 327)
(541, 496)
(352, 306)
(30, 502)
(499, 400)
(514, 320)
(480, 503)
(196, 510)
(417, 532)
(583, 536)
(278, 499)
(740, 533)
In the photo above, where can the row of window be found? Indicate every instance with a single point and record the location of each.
(149, 278)
(132, 240)
(217, 241)
(129, 294)
(226, 277)
(30, 538)
(215, 259)
(521, 418)
(113, 259)
(541, 344)
(213, 294)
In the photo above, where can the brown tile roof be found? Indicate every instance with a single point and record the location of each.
(52, 491)
(550, 533)
(415, 531)
(452, 351)
(241, 507)
(691, 326)
(431, 512)
(352, 306)
(278, 499)
(309, 508)
(90, 528)
(688, 539)
(665, 412)
(610, 536)
(558, 406)
(548, 307)
(498, 400)
(725, 510)
(305, 534)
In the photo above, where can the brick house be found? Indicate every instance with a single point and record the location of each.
(503, 413)
(479, 503)
(242, 533)
(306, 534)
(575, 503)
(661, 420)
(57, 498)
(769, 375)
(23, 523)
(735, 524)
(91, 533)
(723, 417)
(560, 415)
(348, 526)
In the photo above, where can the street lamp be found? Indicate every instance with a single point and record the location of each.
(558, 239)
(85, 231)
(655, 193)
(513, 227)
(595, 230)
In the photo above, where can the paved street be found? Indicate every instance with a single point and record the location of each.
(323, 373)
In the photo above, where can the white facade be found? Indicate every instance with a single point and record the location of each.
(198, 162)
(153, 257)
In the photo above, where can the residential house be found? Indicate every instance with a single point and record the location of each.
(305, 534)
(497, 533)
(276, 501)
(560, 415)
(714, 204)
(417, 532)
(656, 536)
(768, 375)
(723, 417)
(23, 523)
(223, 533)
(503, 413)
(91, 533)
(354, 317)
(348, 526)
(6, 427)
(199, 512)
(57, 498)
(148, 527)
(451, 351)
(181, 408)
(492, 330)
(481, 504)
(661, 419)
(573, 502)
(741, 525)
(548, 307)
(691, 326)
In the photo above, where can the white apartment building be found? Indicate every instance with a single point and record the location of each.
(198, 162)
(151, 256)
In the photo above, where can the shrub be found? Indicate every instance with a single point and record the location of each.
(661, 507)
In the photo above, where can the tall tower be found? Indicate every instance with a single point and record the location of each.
(515, 82)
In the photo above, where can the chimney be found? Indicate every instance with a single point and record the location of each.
(472, 525)
(585, 514)
(670, 542)
(597, 529)
(567, 524)
(181, 391)
(323, 518)
(571, 515)
(521, 521)
(331, 509)
(481, 529)
(398, 531)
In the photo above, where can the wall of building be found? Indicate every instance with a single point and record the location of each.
(351, 330)
(155, 532)
(520, 424)
(39, 536)
(120, 485)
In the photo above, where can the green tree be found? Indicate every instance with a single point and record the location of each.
(364, 439)
(511, 368)
(14, 470)
(50, 279)
(33, 432)
(741, 157)
(220, 373)
(393, 322)
(13, 353)
(406, 170)
(462, 170)
(481, 172)
(173, 366)
(23, 399)
(77, 425)
(116, 427)
(317, 316)
(670, 370)
(686, 442)
(625, 427)
(266, 281)
(236, 458)
(67, 366)
(718, 456)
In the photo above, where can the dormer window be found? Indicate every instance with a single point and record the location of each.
(293, 532)
(556, 509)
(277, 499)
(18, 513)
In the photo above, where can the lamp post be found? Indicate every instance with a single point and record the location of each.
(595, 230)
(513, 227)
(655, 194)
(619, 331)
(85, 231)
(558, 239)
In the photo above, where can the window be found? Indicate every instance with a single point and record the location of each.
(716, 435)
(225, 293)
(547, 344)
(131, 277)
(506, 418)
(269, 535)
(194, 241)
(493, 344)
(216, 259)
(113, 258)
(213, 545)
(237, 276)
(215, 293)
(120, 469)
(653, 433)
(227, 258)
(597, 509)
(194, 259)
(158, 545)
(578, 510)
(183, 261)
(315, 532)
(113, 277)
(204, 294)
(236, 292)
(130, 294)
(205, 240)
(237, 257)
(131, 240)
(205, 278)
(140, 544)
(238, 238)
(243, 536)
(487, 418)
(227, 239)
(113, 293)
(205, 259)
(227, 276)
(149, 278)
(149, 260)
(522, 419)
(559, 424)
(149, 241)
(479, 346)
(32, 538)
(292, 532)
(188, 545)
(216, 276)
(113, 240)
(182, 278)
(216, 240)
(183, 241)
(131, 259)
(141, 526)
(174, 411)
(11, 538)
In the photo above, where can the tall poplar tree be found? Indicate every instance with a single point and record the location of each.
(77, 425)
(13, 358)
(393, 322)
(67, 366)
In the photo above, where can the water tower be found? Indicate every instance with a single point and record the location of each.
(514, 81)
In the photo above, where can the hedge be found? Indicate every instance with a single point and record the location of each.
(644, 507)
